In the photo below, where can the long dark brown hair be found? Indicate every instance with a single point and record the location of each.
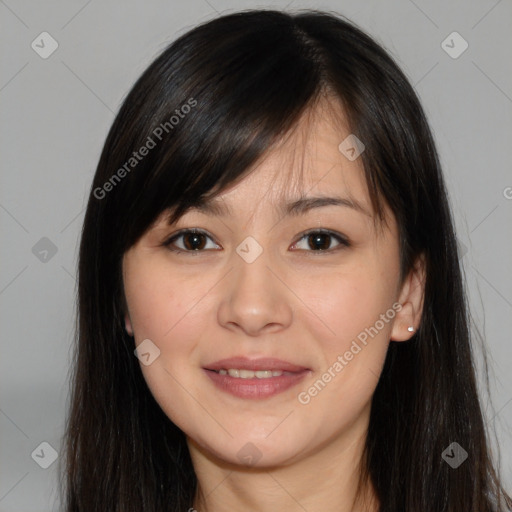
(207, 109)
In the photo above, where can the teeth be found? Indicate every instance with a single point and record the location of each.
(249, 374)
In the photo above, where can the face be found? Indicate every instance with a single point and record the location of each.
(315, 288)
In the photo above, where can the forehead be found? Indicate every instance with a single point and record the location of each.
(304, 163)
(307, 161)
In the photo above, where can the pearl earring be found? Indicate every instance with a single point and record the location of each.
(410, 328)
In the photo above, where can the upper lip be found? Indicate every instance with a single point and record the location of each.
(266, 363)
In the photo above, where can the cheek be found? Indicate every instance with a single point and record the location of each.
(166, 308)
(355, 307)
(350, 302)
(161, 301)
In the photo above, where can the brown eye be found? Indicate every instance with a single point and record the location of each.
(321, 240)
(189, 241)
(194, 241)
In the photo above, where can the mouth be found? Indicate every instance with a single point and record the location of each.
(238, 373)
(257, 378)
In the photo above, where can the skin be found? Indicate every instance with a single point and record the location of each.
(294, 303)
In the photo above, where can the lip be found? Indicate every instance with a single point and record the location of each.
(265, 363)
(255, 388)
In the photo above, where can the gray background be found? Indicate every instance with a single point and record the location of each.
(55, 116)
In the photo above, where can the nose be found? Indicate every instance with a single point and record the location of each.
(255, 298)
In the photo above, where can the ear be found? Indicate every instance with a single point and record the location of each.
(128, 324)
(124, 307)
(411, 298)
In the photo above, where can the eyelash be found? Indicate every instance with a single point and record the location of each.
(343, 241)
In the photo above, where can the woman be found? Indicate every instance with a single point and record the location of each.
(271, 310)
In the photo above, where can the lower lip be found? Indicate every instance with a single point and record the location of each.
(255, 388)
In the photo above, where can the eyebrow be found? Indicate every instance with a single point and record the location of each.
(293, 208)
